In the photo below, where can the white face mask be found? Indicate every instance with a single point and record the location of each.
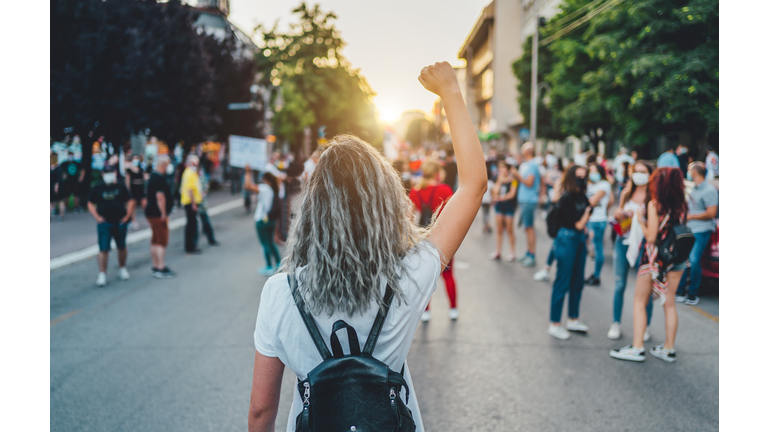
(110, 178)
(135, 162)
(640, 179)
(169, 169)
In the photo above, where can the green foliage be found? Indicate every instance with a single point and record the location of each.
(317, 87)
(639, 69)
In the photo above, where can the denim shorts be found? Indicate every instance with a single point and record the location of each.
(107, 231)
(527, 212)
(506, 208)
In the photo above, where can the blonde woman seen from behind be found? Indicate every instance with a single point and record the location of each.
(351, 237)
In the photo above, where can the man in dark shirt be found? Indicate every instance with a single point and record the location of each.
(451, 170)
(158, 206)
(111, 205)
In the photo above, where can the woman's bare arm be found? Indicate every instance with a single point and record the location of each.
(248, 183)
(454, 221)
(265, 393)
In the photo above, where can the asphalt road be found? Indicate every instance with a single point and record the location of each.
(177, 355)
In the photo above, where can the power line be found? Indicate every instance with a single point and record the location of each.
(562, 22)
(576, 24)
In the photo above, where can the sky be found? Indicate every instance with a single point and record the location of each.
(389, 41)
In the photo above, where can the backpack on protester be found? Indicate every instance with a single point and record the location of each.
(425, 210)
(553, 221)
(354, 392)
(676, 247)
(277, 206)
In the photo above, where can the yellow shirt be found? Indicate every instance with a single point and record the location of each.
(190, 182)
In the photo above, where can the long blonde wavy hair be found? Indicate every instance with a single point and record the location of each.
(352, 230)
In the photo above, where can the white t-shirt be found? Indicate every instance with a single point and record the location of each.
(263, 201)
(280, 331)
(487, 197)
(712, 165)
(600, 213)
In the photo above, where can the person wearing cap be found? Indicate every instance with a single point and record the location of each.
(191, 197)
(111, 205)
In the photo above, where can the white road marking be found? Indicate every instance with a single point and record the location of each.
(137, 236)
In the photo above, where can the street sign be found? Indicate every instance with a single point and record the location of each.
(248, 151)
(241, 106)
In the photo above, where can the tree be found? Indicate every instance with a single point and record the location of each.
(637, 70)
(317, 86)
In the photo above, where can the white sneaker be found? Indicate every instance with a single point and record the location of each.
(453, 313)
(426, 316)
(101, 280)
(629, 353)
(122, 274)
(511, 258)
(647, 335)
(559, 332)
(664, 354)
(541, 275)
(615, 331)
(576, 325)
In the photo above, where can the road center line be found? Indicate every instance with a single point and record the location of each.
(67, 315)
(706, 314)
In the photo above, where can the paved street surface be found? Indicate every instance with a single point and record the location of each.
(177, 355)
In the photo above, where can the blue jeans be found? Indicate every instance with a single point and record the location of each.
(599, 229)
(107, 231)
(571, 255)
(621, 270)
(694, 271)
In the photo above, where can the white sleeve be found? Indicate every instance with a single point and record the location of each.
(263, 337)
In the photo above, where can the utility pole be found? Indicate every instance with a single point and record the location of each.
(535, 77)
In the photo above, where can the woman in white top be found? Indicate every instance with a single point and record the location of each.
(632, 199)
(265, 218)
(599, 194)
(353, 235)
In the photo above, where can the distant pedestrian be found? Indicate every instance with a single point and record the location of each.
(402, 168)
(571, 253)
(451, 172)
(486, 203)
(202, 210)
(429, 199)
(668, 159)
(111, 205)
(159, 204)
(703, 205)
(504, 198)
(528, 199)
(71, 176)
(554, 196)
(683, 157)
(55, 182)
(135, 182)
(618, 163)
(191, 197)
(265, 217)
(631, 201)
(712, 163)
(665, 208)
(599, 194)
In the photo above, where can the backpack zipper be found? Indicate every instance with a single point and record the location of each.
(306, 396)
(392, 396)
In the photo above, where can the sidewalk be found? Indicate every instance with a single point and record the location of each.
(78, 231)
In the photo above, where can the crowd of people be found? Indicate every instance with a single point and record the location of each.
(584, 200)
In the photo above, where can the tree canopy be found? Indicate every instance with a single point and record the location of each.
(317, 86)
(636, 70)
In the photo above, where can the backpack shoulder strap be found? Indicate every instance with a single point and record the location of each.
(310, 323)
(373, 336)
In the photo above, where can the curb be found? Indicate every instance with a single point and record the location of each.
(137, 236)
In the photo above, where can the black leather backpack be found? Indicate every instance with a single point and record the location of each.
(676, 247)
(353, 392)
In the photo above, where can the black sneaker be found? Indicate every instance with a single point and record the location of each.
(156, 272)
(168, 273)
(592, 281)
(692, 300)
(197, 251)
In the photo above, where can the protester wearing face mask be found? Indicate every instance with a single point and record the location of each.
(135, 182)
(632, 200)
(111, 205)
(571, 253)
(599, 194)
(71, 176)
(191, 197)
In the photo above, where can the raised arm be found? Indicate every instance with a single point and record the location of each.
(454, 221)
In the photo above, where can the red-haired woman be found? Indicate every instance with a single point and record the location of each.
(665, 207)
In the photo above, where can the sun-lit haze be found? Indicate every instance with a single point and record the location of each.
(388, 41)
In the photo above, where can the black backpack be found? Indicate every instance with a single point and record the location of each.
(354, 392)
(277, 206)
(553, 221)
(426, 210)
(676, 247)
